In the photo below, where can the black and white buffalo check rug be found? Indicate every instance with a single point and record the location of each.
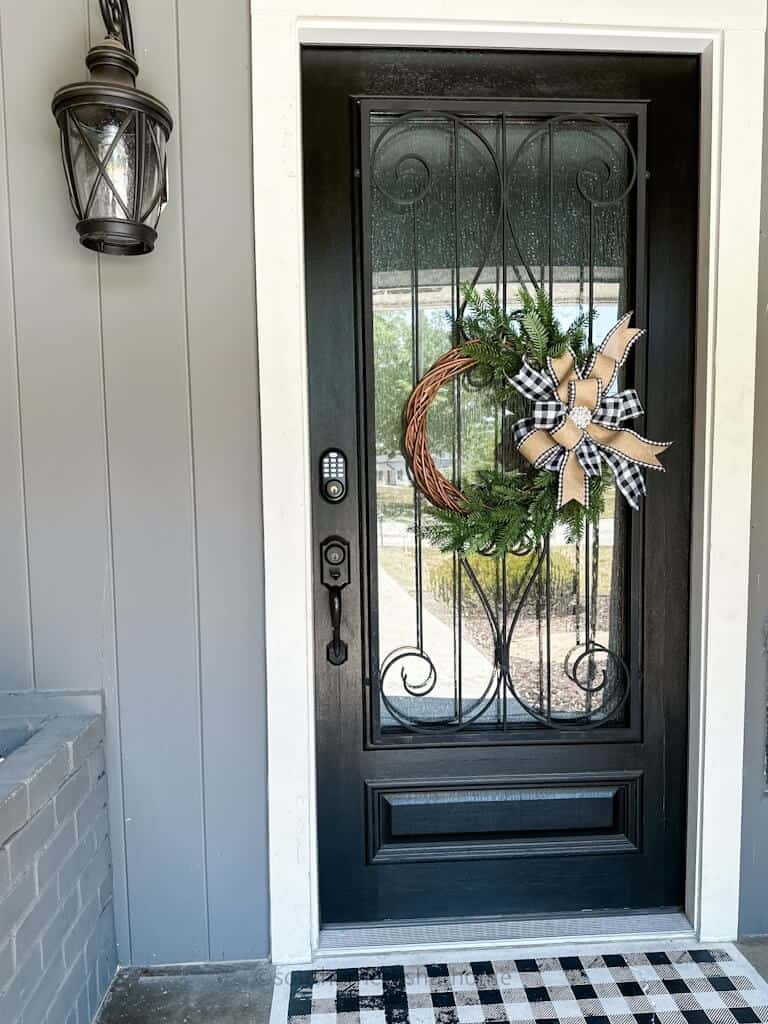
(672, 986)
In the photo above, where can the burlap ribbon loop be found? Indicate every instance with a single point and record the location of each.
(576, 423)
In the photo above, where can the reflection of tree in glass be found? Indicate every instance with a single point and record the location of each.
(394, 355)
(393, 344)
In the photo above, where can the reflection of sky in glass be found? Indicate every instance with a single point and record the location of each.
(606, 316)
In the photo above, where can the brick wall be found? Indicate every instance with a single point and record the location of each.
(57, 938)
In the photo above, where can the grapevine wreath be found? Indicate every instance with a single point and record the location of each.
(571, 435)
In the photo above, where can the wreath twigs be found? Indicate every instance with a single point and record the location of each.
(426, 476)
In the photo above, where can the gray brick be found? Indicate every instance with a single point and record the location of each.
(101, 829)
(81, 931)
(106, 891)
(87, 741)
(23, 846)
(40, 999)
(26, 980)
(35, 921)
(53, 937)
(75, 864)
(72, 794)
(45, 782)
(55, 853)
(97, 765)
(6, 964)
(14, 905)
(67, 995)
(86, 1013)
(43, 763)
(74, 733)
(93, 992)
(14, 808)
(5, 871)
(102, 941)
(91, 807)
(107, 969)
(95, 872)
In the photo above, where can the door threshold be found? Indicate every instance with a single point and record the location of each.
(488, 933)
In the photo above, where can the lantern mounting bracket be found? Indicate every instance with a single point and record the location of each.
(117, 20)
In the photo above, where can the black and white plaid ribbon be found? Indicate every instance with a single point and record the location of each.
(532, 383)
(549, 412)
(629, 477)
(615, 409)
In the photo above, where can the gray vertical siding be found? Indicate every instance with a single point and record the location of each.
(754, 861)
(130, 517)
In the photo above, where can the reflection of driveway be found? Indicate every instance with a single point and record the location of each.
(397, 628)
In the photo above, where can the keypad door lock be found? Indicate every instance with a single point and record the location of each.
(334, 575)
(333, 475)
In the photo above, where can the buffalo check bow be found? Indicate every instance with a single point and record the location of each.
(577, 424)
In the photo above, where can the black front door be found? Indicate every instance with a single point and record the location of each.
(446, 789)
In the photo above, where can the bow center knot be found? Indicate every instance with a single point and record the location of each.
(581, 416)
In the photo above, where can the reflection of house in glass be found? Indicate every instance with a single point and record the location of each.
(392, 470)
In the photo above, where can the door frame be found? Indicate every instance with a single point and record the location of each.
(732, 57)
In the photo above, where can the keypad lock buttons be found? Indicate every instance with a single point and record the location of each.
(333, 475)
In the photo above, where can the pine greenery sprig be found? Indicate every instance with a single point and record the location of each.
(499, 340)
(512, 511)
(509, 512)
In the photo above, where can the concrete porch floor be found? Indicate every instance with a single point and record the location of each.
(206, 994)
(232, 993)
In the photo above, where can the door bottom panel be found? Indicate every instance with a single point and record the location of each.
(469, 819)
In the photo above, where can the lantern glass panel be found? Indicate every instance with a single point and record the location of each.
(103, 149)
(153, 186)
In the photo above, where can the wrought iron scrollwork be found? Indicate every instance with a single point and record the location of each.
(117, 21)
(606, 688)
(597, 672)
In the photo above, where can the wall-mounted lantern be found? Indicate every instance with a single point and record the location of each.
(113, 143)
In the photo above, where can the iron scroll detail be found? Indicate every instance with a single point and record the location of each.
(117, 21)
(606, 688)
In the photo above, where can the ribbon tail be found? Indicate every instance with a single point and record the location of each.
(572, 482)
(628, 476)
(613, 351)
(588, 455)
(629, 444)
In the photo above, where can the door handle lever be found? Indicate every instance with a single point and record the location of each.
(334, 560)
(336, 650)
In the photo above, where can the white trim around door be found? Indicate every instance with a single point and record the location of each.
(732, 56)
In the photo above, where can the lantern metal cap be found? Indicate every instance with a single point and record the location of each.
(110, 60)
(123, 96)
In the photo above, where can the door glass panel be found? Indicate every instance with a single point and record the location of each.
(507, 203)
